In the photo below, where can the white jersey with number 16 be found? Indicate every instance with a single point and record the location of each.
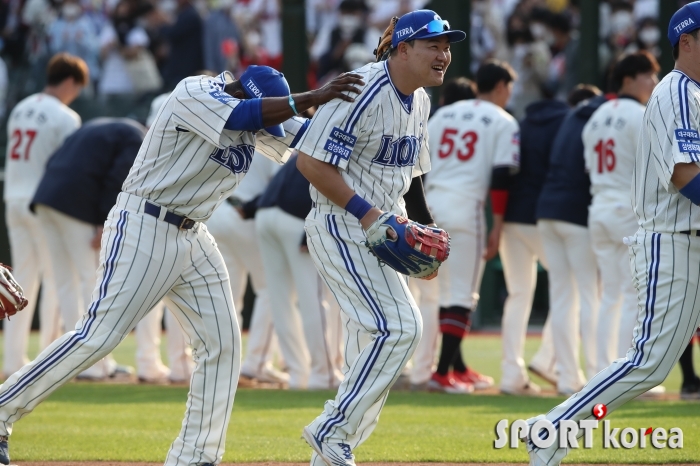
(610, 143)
(467, 140)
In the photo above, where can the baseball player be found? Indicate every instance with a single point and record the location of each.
(36, 127)
(361, 158)
(80, 185)
(239, 244)
(155, 246)
(610, 142)
(475, 143)
(427, 292)
(521, 248)
(303, 330)
(665, 250)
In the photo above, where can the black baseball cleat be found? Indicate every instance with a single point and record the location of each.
(4, 450)
(691, 390)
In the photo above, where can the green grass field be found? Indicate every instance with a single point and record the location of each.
(84, 421)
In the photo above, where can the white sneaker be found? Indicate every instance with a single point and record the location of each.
(333, 454)
(271, 375)
(529, 389)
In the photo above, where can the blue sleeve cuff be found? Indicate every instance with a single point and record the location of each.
(692, 190)
(300, 133)
(247, 116)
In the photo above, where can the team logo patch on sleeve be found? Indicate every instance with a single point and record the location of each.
(687, 135)
(340, 143)
(221, 96)
(689, 146)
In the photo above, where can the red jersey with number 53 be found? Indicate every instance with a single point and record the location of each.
(467, 140)
(610, 143)
(37, 126)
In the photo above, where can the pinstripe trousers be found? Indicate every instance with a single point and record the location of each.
(144, 260)
(666, 273)
(382, 326)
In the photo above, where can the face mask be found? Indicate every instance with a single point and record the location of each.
(538, 31)
(71, 11)
(621, 21)
(649, 35)
(348, 24)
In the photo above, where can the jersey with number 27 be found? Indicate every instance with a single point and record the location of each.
(468, 140)
(37, 126)
(610, 140)
(378, 142)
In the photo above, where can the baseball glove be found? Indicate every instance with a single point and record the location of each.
(417, 250)
(384, 47)
(12, 298)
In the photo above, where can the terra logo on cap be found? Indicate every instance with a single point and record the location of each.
(254, 89)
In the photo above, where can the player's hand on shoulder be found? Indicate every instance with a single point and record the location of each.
(338, 87)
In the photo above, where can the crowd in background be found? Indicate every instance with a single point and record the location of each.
(140, 46)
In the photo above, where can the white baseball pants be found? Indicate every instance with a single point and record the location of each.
(149, 364)
(302, 330)
(573, 296)
(74, 263)
(237, 241)
(666, 276)
(460, 276)
(382, 320)
(31, 267)
(609, 222)
(427, 295)
(520, 250)
(142, 261)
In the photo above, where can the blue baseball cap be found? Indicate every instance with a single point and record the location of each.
(423, 24)
(263, 81)
(684, 21)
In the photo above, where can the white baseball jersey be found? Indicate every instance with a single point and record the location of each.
(379, 142)
(262, 169)
(669, 135)
(610, 144)
(37, 126)
(469, 139)
(188, 163)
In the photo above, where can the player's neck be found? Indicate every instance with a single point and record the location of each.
(56, 92)
(489, 97)
(401, 78)
(692, 70)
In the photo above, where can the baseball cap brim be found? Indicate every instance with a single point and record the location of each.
(452, 36)
(277, 130)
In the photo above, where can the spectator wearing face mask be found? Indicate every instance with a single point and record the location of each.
(647, 38)
(564, 43)
(331, 45)
(73, 33)
(530, 59)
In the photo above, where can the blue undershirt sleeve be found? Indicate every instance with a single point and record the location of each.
(247, 116)
(301, 132)
(692, 190)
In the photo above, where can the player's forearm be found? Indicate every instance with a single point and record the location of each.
(327, 180)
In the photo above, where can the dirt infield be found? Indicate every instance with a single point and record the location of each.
(98, 463)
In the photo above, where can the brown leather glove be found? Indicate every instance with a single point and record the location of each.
(384, 48)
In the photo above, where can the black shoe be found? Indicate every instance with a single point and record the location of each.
(691, 390)
(4, 450)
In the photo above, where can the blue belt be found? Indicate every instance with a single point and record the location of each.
(180, 221)
(690, 232)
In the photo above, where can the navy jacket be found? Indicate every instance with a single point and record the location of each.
(537, 131)
(186, 46)
(566, 194)
(288, 190)
(85, 175)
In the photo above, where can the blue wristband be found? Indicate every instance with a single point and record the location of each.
(358, 206)
(292, 104)
(692, 190)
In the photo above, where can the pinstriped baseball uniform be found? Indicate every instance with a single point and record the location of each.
(379, 143)
(469, 139)
(664, 257)
(610, 143)
(187, 163)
